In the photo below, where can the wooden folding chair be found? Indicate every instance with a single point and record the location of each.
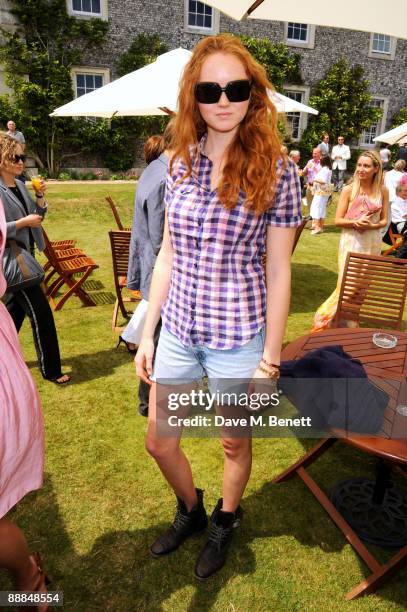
(59, 245)
(394, 239)
(116, 215)
(373, 292)
(120, 246)
(61, 250)
(71, 272)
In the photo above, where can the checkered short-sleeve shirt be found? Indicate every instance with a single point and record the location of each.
(217, 295)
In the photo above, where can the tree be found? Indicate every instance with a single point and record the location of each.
(144, 50)
(37, 60)
(281, 66)
(343, 101)
(399, 118)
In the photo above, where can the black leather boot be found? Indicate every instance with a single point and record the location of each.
(213, 555)
(185, 524)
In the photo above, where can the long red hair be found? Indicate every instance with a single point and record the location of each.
(251, 158)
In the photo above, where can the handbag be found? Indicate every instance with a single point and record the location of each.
(322, 189)
(360, 206)
(20, 268)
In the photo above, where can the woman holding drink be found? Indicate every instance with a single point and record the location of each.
(230, 197)
(24, 218)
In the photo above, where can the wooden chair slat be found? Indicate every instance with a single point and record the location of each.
(373, 291)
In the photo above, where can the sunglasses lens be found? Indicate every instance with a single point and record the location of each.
(210, 93)
(238, 91)
(207, 93)
(18, 158)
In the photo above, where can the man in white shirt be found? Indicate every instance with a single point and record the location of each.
(393, 177)
(340, 154)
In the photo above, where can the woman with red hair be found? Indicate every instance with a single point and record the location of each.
(230, 198)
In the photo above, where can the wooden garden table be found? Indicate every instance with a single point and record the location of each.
(387, 368)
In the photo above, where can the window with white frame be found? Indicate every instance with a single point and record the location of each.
(299, 34)
(297, 31)
(85, 83)
(296, 120)
(86, 79)
(382, 46)
(374, 130)
(199, 17)
(87, 7)
(381, 43)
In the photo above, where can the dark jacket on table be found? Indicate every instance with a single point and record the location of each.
(14, 210)
(332, 388)
(148, 225)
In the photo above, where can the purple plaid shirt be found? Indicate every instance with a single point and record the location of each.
(217, 295)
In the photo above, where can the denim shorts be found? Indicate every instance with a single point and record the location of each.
(176, 364)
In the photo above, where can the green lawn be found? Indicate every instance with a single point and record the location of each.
(104, 500)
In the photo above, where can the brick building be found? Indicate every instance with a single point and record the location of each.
(181, 23)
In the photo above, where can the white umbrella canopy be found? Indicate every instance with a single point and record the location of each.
(151, 90)
(370, 16)
(147, 91)
(397, 135)
(284, 104)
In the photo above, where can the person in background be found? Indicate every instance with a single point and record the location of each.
(340, 155)
(324, 145)
(322, 193)
(399, 209)
(14, 133)
(362, 213)
(402, 152)
(146, 238)
(21, 448)
(230, 198)
(393, 177)
(309, 171)
(385, 156)
(24, 218)
(295, 156)
(19, 136)
(399, 217)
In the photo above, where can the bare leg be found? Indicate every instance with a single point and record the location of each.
(15, 556)
(170, 458)
(236, 471)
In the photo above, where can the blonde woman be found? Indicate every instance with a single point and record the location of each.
(362, 213)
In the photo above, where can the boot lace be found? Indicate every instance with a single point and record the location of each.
(218, 535)
(181, 520)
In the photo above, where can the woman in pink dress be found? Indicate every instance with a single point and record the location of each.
(21, 447)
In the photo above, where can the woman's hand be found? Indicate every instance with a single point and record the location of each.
(39, 185)
(364, 222)
(144, 359)
(31, 221)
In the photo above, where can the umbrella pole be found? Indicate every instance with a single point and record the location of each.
(254, 6)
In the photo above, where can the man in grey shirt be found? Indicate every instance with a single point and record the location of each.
(11, 131)
(146, 238)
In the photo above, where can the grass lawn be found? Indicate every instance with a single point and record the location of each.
(104, 501)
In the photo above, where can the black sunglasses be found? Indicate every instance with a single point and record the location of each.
(210, 93)
(17, 158)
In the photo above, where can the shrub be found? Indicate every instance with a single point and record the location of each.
(64, 176)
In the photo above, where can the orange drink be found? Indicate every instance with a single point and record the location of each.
(36, 182)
